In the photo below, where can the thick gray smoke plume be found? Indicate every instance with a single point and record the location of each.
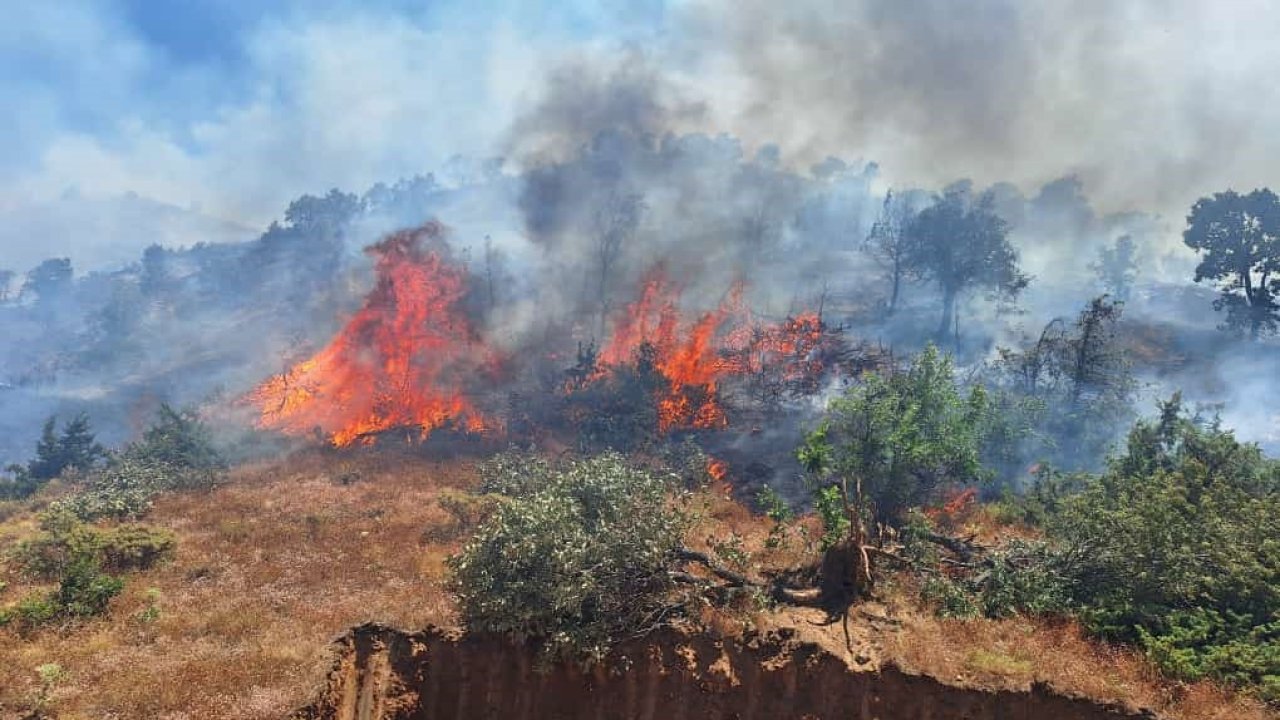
(1151, 103)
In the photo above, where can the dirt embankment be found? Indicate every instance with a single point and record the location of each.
(387, 674)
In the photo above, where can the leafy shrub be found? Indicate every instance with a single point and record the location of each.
(64, 540)
(577, 563)
(175, 453)
(903, 435)
(514, 473)
(83, 591)
(135, 546)
(124, 489)
(1176, 547)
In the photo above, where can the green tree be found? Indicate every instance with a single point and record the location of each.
(961, 244)
(74, 448)
(901, 435)
(1238, 237)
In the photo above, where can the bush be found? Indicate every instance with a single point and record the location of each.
(64, 540)
(577, 563)
(902, 435)
(1176, 548)
(83, 591)
(124, 489)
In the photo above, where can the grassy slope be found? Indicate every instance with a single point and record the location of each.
(287, 555)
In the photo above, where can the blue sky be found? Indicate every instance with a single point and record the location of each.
(235, 106)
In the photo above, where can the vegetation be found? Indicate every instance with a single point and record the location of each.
(75, 448)
(578, 560)
(902, 435)
(1064, 398)
(1238, 237)
(1117, 267)
(961, 244)
(1175, 547)
(175, 453)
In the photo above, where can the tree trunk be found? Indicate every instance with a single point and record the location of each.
(948, 313)
(897, 282)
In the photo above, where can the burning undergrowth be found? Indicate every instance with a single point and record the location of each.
(405, 361)
(414, 359)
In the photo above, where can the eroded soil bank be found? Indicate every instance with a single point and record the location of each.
(387, 674)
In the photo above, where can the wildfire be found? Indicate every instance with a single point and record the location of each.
(402, 361)
(717, 469)
(696, 357)
(686, 354)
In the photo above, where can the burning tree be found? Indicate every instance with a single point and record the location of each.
(404, 360)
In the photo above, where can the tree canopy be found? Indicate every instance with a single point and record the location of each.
(1238, 238)
(960, 243)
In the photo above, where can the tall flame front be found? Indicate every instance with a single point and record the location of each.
(400, 362)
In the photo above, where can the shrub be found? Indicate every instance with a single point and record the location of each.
(902, 435)
(514, 473)
(64, 540)
(135, 547)
(83, 591)
(1176, 547)
(577, 563)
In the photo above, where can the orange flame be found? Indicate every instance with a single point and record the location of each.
(687, 354)
(696, 357)
(400, 361)
(717, 469)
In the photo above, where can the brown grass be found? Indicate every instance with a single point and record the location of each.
(287, 555)
(269, 568)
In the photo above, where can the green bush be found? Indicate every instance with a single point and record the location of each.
(64, 540)
(514, 473)
(83, 591)
(577, 563)
(1176, 548)
(135, 547)
(903, 435)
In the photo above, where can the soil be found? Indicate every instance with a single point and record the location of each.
(386, 674)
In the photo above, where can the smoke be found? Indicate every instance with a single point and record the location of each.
(748, 142)
(1149, 103)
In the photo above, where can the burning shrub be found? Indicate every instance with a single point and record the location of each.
(577, 563)
(619, 411)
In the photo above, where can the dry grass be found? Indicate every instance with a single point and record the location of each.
(287, 555)
(269, 568)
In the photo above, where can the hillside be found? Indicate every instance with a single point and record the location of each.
(286, 555)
